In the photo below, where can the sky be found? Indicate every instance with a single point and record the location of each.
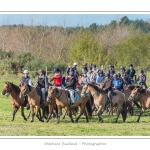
(66, 20)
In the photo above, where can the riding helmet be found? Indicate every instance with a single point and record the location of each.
(141, 71)
(56, 70)
(25, 71)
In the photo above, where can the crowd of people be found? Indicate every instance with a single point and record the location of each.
(90, 74)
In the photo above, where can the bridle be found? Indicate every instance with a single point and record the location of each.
(132, 98)
(6, 91)
(53, 94)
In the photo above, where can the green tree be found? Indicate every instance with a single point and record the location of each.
(133, 50)
(86, 49)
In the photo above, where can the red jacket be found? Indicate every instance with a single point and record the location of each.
(57, 80)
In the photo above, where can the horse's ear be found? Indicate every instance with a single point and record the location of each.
(6, 82)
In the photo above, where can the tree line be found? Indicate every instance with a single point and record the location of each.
(32, 47)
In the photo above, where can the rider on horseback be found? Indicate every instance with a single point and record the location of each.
(70, 86)
(131, 73)
(57, 78)
(142, 79)
(117, 83)
(107, 87)
(27, 79)
(42, 83)
(99, 78)
(124, 75)
(85, 78)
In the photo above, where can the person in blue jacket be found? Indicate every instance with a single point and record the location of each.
(117, 84)
(99, 78)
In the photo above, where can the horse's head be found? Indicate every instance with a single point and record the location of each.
(85, 90)
(23, 89)
(134, 94)
(52, 92)
(6, 89)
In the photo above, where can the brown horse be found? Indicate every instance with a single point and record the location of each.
(51, 103)
(61, 97)
(143, 96)
(13, 90)
(130, 105)
(101, 100)
(33, 99)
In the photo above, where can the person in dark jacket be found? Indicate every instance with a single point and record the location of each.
(84, 67)
(124, 75)
(70, 86)
(42, 84)
(75, 66)
(111, 70)
(142, 79)
(130, 72)
(69, 68)
(107, 87)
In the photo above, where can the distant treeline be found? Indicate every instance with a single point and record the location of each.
(32, 47)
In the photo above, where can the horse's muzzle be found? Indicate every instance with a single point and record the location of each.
(6, 94)
(82, 95)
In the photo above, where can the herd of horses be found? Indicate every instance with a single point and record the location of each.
(90, 98)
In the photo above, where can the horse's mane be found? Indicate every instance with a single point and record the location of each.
(96, 88)
(15, 87)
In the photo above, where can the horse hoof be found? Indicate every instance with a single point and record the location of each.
(47, 120)
(76, 121)
(25, 119)
(12, 119)
(31, 121)
(41, 120)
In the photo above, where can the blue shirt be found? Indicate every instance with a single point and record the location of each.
(99, 79)
(117, 83)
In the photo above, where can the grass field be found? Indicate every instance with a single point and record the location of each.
(19, 127)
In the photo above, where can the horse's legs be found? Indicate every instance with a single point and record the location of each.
(29, 115)
(70, 114)
(32, 112)
(36, 113)
(141, 112)
(14, 112)
(59, 113)
(50, 113)
(82, 110)
(100, 113)
(118, 113)
(22, 113)
(87, 119)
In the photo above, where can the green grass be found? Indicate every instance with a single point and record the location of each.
(19, 127)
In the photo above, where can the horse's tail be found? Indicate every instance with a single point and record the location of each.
(124, 111)
(89, 109)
